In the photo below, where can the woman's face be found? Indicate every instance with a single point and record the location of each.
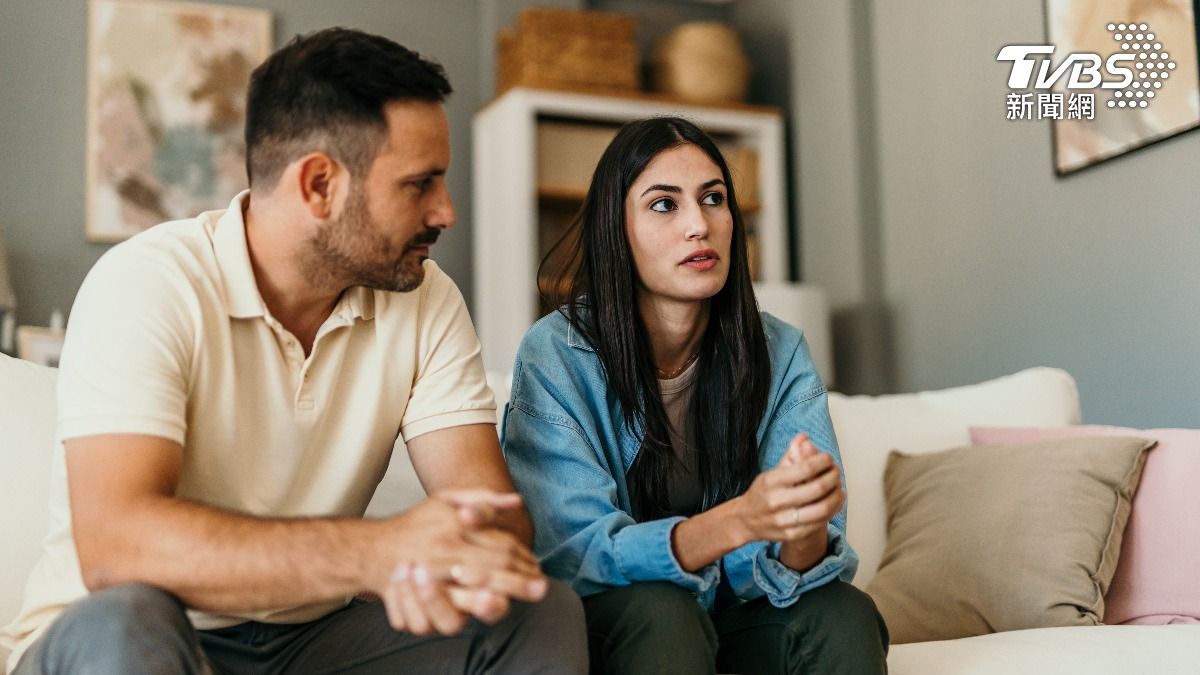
(679, 226)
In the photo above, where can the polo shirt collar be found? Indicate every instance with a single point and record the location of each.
(357, 302)
(242, 298)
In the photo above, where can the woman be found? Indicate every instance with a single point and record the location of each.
(673, 445)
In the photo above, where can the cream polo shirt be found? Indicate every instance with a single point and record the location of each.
(170, 337)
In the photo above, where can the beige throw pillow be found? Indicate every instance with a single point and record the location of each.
(994, 538)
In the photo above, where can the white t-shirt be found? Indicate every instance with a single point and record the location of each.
(170, 337)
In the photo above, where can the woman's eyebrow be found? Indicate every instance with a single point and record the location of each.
(711, 183)
(660, 186)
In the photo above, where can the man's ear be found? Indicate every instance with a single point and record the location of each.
(321, 182)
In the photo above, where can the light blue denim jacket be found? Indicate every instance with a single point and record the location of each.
(569, 449)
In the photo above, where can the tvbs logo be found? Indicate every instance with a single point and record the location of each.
(1084, 68)
(1133, 73)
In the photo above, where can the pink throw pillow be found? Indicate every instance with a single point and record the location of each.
(1156, 580)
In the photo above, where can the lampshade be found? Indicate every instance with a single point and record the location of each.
(805, 307)
(7, 299)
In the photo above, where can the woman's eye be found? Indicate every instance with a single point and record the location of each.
(662, 205)
(713, 199)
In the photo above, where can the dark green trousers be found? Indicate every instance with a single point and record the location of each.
(659, 628)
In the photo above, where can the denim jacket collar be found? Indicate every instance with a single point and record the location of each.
(574, 339)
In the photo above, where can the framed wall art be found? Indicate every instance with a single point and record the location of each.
(1161, 100)
(166, 107)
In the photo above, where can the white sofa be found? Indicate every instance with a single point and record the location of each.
(867, 429)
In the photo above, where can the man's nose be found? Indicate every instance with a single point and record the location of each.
(442, 215)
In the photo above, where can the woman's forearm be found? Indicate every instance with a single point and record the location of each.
(707, 536)
(801, 554)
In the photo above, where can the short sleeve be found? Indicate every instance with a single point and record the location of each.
(124, 366)
(450, 387)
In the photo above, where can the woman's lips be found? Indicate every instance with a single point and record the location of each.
(701, 259)
(701, 265)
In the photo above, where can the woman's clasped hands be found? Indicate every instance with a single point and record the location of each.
(793, 502)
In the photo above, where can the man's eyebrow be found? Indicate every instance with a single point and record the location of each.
(660, 186)
(423, 175)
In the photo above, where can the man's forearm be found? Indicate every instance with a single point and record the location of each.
(225, 562)
(518, 522)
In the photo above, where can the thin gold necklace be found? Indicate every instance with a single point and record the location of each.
(662, 375)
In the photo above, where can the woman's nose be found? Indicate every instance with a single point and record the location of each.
(697, 225)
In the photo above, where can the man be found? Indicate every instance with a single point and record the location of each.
(230, 391)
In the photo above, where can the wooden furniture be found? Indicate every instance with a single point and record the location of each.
(533, 155)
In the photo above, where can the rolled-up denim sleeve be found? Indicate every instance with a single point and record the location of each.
(581, 534)
(755, 570)
(801, 405)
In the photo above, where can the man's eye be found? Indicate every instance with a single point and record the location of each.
(663, 205)
(423, 184)
(713, 199)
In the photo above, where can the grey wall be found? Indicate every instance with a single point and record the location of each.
(42, 126)
(983, 260)
(993, 264)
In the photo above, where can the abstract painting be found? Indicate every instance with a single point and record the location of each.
(166, 107)
(1163, 97)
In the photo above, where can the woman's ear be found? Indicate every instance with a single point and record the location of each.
(321, 180)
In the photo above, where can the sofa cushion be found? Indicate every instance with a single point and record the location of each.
(27, 420)
(1004, 537)
(1157, 579)
(869, 427)
(1097, 650)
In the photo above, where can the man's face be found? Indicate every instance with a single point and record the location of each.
(394, 214)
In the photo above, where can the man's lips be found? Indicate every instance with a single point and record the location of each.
(422, 242)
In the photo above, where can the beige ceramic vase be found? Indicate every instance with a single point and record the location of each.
(703, 62)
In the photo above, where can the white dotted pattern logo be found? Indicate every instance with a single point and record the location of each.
(1153, 64)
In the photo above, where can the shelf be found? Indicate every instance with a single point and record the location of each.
(645, 97)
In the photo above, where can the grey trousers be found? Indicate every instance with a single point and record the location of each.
(136, 628)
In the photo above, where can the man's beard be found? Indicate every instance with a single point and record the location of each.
(350, 251)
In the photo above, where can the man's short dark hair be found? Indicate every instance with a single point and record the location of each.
(326, 91)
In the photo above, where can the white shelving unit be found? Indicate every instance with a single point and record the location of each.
(507, 204)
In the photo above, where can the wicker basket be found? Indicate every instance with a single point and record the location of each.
(701, 62)
(569, 49)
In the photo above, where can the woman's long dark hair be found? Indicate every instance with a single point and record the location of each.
(590, 275)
